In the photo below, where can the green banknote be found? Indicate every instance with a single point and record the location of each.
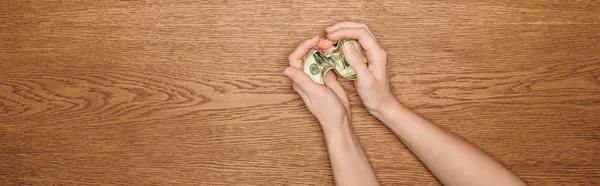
(317, 63)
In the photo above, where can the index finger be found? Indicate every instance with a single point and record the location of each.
(341, 25)
(372, 49)
(295, 57)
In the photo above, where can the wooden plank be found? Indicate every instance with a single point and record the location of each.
(191, 93)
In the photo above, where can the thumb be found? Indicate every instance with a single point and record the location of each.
(356, 62)
(299, 78)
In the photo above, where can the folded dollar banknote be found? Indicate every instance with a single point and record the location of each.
(317, 62)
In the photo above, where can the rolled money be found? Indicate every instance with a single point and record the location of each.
(317, 63)
(342, 67)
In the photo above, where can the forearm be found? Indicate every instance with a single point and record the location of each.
(348, 160)
(451, 159)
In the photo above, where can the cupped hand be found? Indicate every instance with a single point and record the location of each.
(328, 103)
(373, 84)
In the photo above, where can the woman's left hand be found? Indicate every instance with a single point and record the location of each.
(328, 103)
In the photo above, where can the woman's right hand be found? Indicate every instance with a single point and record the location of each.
(373, 83)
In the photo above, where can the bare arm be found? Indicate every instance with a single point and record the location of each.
(348, 161)
(452, 160)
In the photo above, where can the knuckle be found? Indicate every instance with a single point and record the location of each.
(303, 82)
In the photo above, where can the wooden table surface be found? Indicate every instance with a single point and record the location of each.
(173, 92)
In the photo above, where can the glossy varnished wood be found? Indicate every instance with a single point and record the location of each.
(191, 93)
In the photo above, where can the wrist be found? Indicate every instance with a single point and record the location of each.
(335, 127)
(386, 103)
(389, 108)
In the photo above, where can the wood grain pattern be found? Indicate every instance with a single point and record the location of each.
(183, 92)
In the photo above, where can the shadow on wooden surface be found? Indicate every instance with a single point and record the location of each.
(185, 92)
